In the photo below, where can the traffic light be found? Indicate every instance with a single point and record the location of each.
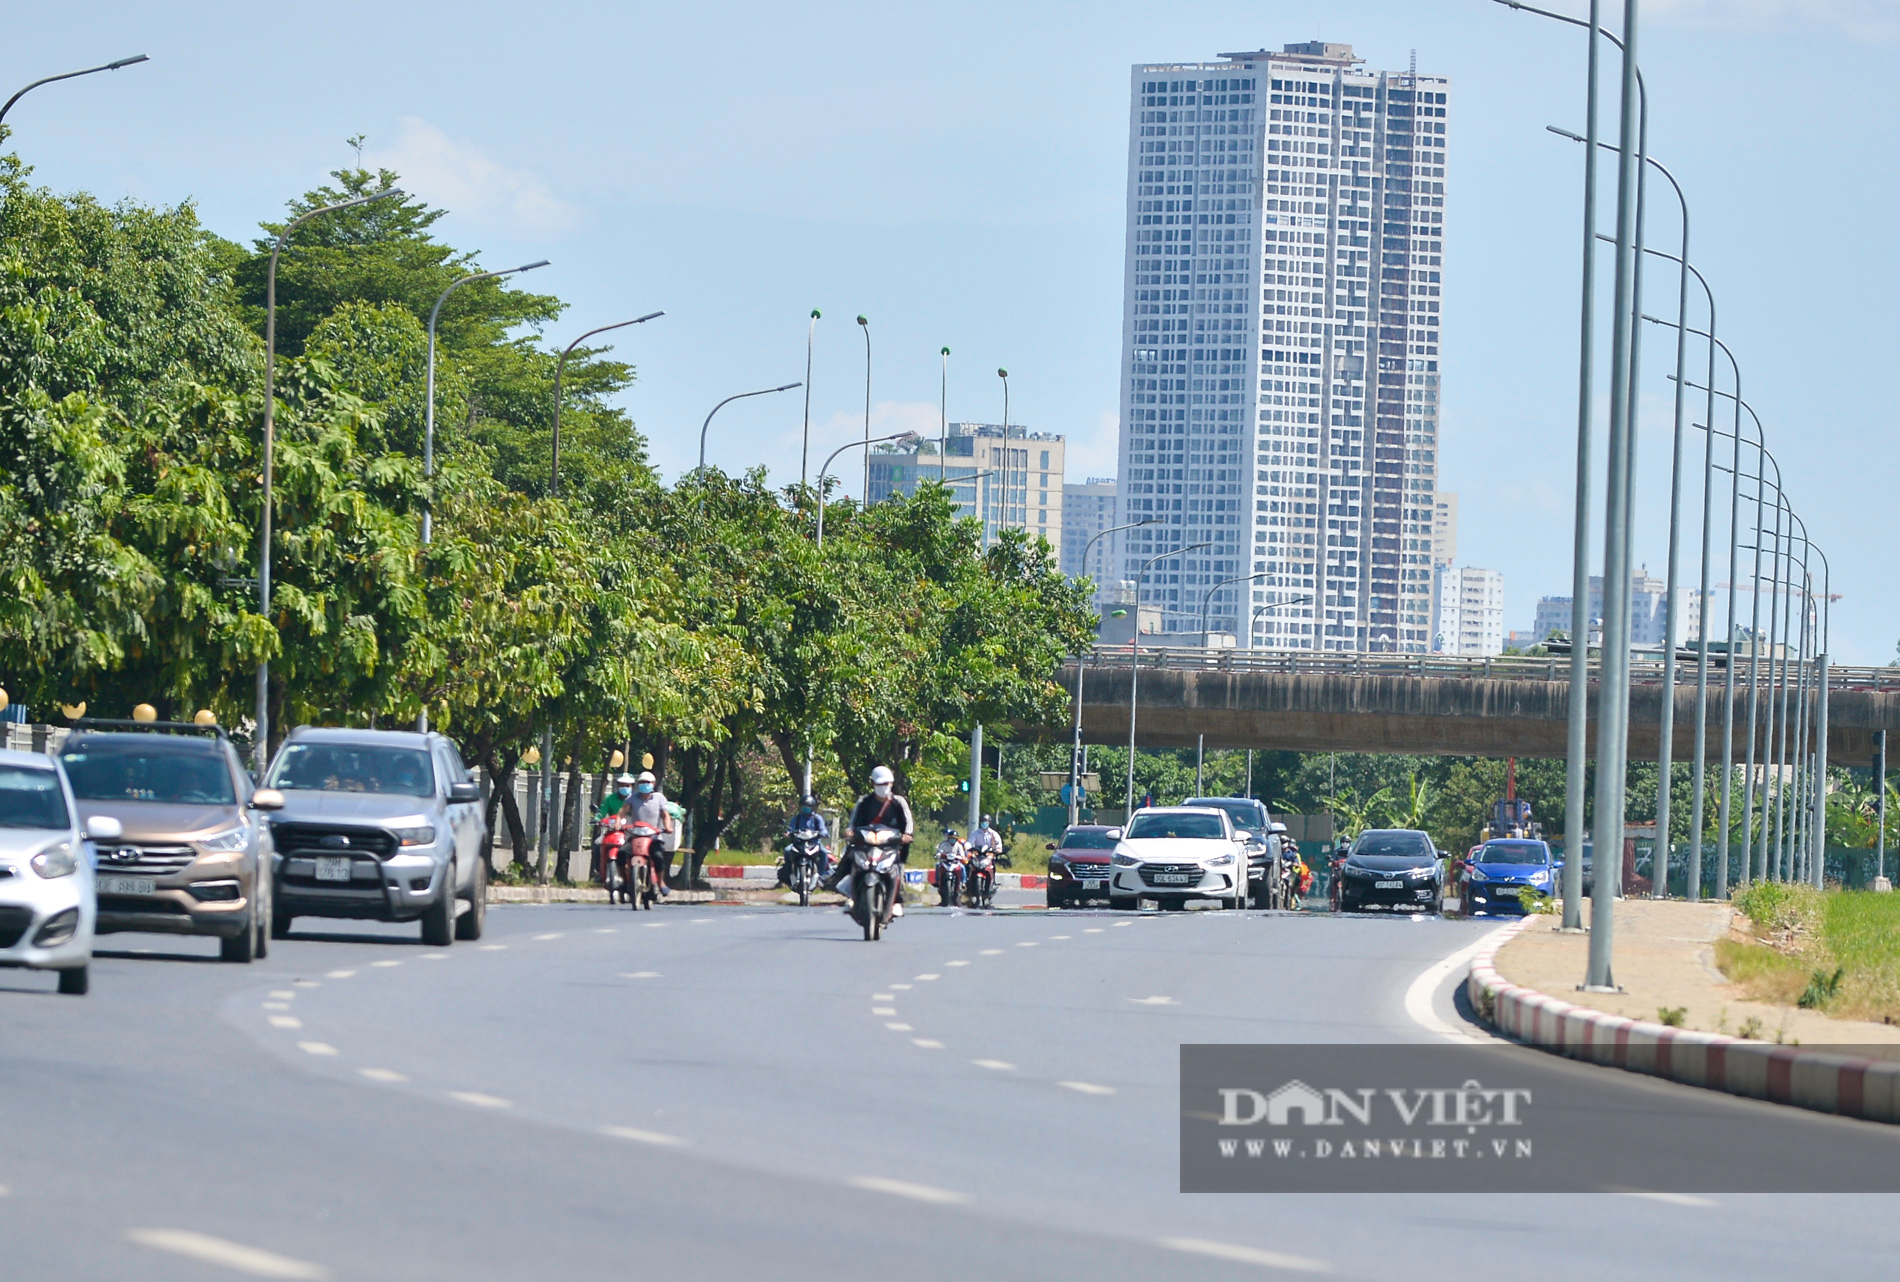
(963, 785)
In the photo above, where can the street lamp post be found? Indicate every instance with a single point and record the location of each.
(1134, 668)
(736, 396)
(1254, 622)
(852, 445)
(68, 75)
(560, 369)
(804, 448)
(1081, 663)
(943, 422)
(260, 750)
(865, 325)
(428, 418)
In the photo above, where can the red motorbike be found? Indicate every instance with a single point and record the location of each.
(642, 864)
(610, 859)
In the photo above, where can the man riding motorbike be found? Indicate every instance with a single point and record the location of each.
(953, 858)
(986, 849)
(648, 805)
(880, 807)
(807, 826)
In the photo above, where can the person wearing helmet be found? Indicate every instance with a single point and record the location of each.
(809, 825)
(648, 805)
(614, 800)
(986, 839)
(880, 806)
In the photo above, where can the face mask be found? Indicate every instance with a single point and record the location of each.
(645, 788)
(882, 790)
(625, 792)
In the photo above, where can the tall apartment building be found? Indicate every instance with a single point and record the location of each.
(1009, 480)
(1649, 612)
(1444, 528)
(1087, 510)
(1280, 325)
(1467, 610)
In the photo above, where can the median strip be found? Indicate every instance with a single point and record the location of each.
(1247, 1255)
(230, 1255)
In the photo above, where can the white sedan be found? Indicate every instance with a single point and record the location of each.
(1173, 854)
(47, 907)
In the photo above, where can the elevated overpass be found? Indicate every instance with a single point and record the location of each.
(1429, 704)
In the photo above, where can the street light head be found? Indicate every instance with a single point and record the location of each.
(814, 313)
(788, 387)
(946, 351)
(864, 322)
(126, 62)
(1002, 373)
(525, 267)
(1565, 133)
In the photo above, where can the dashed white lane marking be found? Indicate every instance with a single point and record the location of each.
(926, 978)
(281, 994)
(1673, 1199)
(956, 963)
(309, 983)
(1124, 923)
(898, 1028)
(701, 921)
(1152, 1001)
(433, 956)
(1059, 937)
(316, 1048)
(231, 1255)
(492, 948)
(480, 1100)
(653, 925)
(640, 974)
(1025, 943)
(285, 1021)
(884, 1010)
(1247, 1255)
(382, 1074)
(386, 963)
(999, 1065)
(902, 988)
(1093, 930)
(339, 974)
(640, 1136)
(606, 930)
(903, 1188)
(882, 997)
(928, 1043)
(1088, 1088)
(991, 952)
(276, 1005)
(555, 934)
(4, 1190)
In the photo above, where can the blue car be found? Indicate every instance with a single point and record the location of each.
(1499, 871)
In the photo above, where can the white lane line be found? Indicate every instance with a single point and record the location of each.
(701, 921)
(653, 925)
(1672, 1199)
(386, 963)
(882, 997)
(640, 1136)
(285, 1021)
(1247, 1255)
(281, 994)
(276, 1005)
(339, 974)
(639, 974)
(1093, 930)
(308, 983)
(884, 1010)
(316, 1048)
(1152, 1001)
(382, 1074)
(904, 1188)
(925, 978)
(928, 1043)
(551, 935)
(999, 1065)
(433, 956)
(1418, 997)
(956, 963)
(1124, 923)
(1026, 943)
(1060, 937)
(991, 952)
(898, 1028)
(606, 930)
(231, 1255)
(492, 948)
(902, 988)
(5, 1190)
(1088, 1088)
(480, 1100)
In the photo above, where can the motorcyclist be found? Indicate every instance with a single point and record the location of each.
(610, 805)
(880, 807)
(808, 825)
(951, 852)
(987, 841)
(648, 805)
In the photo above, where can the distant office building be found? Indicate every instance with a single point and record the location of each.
(1649, 612)
(1007, 484)
(1087, 510)
(1467, 610)
(1444, 527)
(1280, 344)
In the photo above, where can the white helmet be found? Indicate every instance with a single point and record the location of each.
(882, 774)
(646, 776)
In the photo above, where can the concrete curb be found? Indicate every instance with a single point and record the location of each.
(1825, 1083)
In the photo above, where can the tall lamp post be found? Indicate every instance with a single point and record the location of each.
(1134, 667)
(260, 750)
(804, 448)
(428, 419)
(943, 421)
(1207, 599)
(864, 325)
(736, 396)
(68, 75)
(1008, 487)
(560, 368)
(1081, 663)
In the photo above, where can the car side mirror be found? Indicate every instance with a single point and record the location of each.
(1114, 834)
(462, 794)
(104, 828)
(267, 799)
(1241, 834)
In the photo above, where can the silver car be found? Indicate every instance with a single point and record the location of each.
(380, 825)
(47, 905)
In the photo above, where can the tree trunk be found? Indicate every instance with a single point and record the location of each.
(789, 758)
(571, 806)
(517, 831)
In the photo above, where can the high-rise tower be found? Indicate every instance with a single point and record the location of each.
(1280, 345)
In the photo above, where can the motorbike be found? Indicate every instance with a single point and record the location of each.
(952, 862)
(642, 864)
(876, 877)
(980, 880)
(610, 858)
(800, 863)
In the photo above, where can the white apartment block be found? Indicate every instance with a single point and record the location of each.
(1444, 528)
(1467, 610)
(1280, 345)
(1089, 509)
(1649, 612)
(1009, 478)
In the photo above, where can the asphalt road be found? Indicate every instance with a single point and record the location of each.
(756, 1093)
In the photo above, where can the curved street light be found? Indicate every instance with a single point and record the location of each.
(68, 75)
(736, 396)
(804, 449)
(864, 325)
(850, 445)
(260, 750)
(560, 368)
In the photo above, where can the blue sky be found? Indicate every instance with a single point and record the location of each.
(956, 172)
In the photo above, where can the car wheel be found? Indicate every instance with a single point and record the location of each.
(1124, 903)
(438, 919)
(75, 980)
(469, 925)
(261, 923)
(241, 947)
(280, 925)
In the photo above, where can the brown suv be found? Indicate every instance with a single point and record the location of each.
(194, 859)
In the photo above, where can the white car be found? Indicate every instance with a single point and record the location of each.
(47, 906)
(1172, 854)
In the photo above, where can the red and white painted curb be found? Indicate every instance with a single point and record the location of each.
(1817, 1080)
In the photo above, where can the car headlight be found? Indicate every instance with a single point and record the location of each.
(1426, 871)
(423, 835)
(1055, 874)
(1124, 861)
(230, 839)
(1353, 870)
(56, 861)
(1220, 860)
(1539, 878)
(59, 928)
(1475, 873)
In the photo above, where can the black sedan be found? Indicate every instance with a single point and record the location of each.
(1393, 867)
(1078, 864)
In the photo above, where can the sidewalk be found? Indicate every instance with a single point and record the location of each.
(1665, 957)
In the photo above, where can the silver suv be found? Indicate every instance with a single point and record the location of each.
(378, 824)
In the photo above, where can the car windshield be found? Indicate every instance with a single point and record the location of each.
(1513, 852)
(1250, 815)
(1081, 839)
(1203, 827)
(31, 798)
(1392, 843)
(140, 771)
(353, 767)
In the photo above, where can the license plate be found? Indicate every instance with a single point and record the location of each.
(125, 886)
(1174, 878)
(333, 867)
(1092, 883)
(1388, 885)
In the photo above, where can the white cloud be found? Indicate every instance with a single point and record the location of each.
(1096, 452)
(467, 181)
(1862, 18)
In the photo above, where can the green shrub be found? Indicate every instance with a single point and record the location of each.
(1671, 1016)
(1821, 989)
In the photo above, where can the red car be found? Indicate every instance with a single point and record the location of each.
(1078, 864)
